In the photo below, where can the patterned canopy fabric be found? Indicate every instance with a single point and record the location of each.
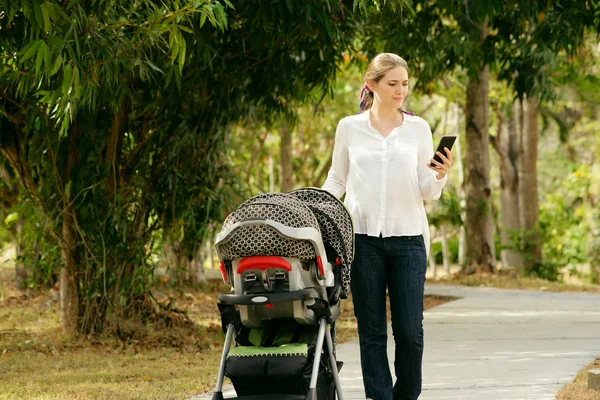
(336, 226)
(261, 239)
(334, 221)
(302, 208)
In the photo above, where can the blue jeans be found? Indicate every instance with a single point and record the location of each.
(398, 264)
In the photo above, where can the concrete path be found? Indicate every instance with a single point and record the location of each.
(495, 344)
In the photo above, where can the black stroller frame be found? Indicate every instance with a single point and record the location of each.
(327, 238)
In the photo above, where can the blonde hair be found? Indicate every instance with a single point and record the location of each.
(379, 65)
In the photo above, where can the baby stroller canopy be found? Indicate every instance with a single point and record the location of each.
(334, 221)
(335, 224)
(302, 208)
(262, 239)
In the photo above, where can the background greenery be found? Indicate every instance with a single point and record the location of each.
(129, 130)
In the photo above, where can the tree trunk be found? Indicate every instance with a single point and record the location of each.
(113, 148)
(286, 156)
(458, 159)
(197, 275)
(9, 194)
(271, 175)
(177, 264)
(112, 182)
(185, 268)
(528, 193)
(479, 217)
(431, 256)
(21, 270)
(209, 252)
(506, 145)
(445, 252)
(432, 266)
(69, 296)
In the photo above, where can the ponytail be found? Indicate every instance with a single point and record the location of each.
(366, 99)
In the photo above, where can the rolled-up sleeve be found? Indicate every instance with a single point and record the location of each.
(430, 186)
(340, 164)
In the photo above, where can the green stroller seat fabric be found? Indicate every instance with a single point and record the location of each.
(276, 359)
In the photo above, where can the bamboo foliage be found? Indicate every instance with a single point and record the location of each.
(116, 116)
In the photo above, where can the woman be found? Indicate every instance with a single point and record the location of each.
(381, 160)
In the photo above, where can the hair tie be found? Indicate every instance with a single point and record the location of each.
(363, 97)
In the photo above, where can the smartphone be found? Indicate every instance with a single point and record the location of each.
(445, 141)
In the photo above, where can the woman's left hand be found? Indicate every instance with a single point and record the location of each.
(439, 168)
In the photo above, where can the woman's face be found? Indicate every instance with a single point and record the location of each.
(392, 89)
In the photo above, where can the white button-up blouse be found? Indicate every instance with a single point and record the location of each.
(386, 179)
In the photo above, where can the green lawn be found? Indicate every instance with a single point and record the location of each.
(38, 362)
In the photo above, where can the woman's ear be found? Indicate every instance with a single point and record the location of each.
(371, 84)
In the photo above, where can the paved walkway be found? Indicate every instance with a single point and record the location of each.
(495, 344)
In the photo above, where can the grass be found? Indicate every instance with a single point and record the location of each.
(577, 390)
(93, 373)
(510, 279)
(38, 362)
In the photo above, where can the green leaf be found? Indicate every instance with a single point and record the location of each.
(185, 29)
(64, 128)
(11, 13)
(289, 5)
(68, 189)
(29, 50)
(178, 78)
(181, 233)
(173, 43)
(46, 16)
(57, 41)
(75, 36)
(57, 65)
(37, 10)
(169, 77)
(220, 16)
(154, 67)
(68, 79)
(76, 81)
(47, 57)
(207, 13)
(39, 58)
(11, 218)
(182, 55)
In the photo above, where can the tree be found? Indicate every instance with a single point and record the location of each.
(506, 143)
(508, 38)
(9, 193)
(439, 38)
(116, 116)
(535, 40)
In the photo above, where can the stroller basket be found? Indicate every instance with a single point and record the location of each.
(278, 360)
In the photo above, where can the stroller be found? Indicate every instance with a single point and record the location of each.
(287, 257)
